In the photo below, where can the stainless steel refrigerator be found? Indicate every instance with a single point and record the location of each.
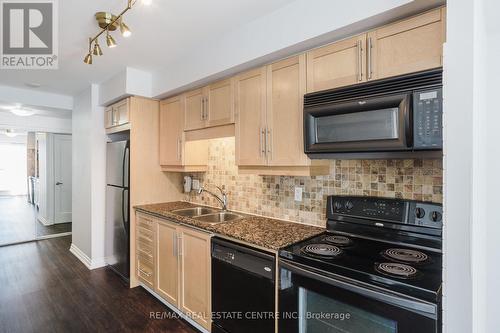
(117, 234)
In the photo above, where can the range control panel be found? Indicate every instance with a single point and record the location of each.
(388, 210)
(428, 119)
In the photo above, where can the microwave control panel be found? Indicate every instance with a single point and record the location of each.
(428, 119)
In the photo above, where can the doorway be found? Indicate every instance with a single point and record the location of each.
(35, 186)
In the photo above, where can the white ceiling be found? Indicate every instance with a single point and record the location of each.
(5, 107)
(162, 33)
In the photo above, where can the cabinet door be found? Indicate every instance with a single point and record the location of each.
(338, 64)
(108, 117)
(122, 112)
(171, 131)
(285, 93)
(195, 110)
(220, 105)
(407, 46)
(195, 275)
(250, 113)
(167, 284)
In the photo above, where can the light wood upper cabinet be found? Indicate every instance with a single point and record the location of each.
(171, 131)
(250, 111)
(167, 262)
(117, 116)
(195, 110)
(338, 64)
(219, 105)
(285, 94)
(195, 277)
(407, 46)
(176, 154)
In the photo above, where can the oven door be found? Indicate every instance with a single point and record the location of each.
(310, 302)
(365, 125)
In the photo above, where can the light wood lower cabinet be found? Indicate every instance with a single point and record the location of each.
(167, 262)
(195, 275)
(179, 269)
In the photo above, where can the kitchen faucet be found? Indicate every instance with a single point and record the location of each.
(222, 200)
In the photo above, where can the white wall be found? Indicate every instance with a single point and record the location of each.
(89, 168)
(35, 98)
(472, 162)
(485, 169)
(35, 123)
(129, 82)
(293, 28)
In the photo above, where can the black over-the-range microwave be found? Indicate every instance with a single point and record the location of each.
(384, 118)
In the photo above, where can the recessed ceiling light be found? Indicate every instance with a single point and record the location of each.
(33, 84)
(10, 133)
(22, 112)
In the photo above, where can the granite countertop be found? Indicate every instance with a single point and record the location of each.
(265, 232)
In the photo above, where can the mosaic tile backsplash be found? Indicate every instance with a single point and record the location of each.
(273, 196)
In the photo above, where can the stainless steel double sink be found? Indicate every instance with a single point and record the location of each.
(208, 215)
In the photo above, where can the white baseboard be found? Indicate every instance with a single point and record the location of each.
(43, 221)
(177, 311)
(89, 263)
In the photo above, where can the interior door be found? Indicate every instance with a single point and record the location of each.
(285, 94)
(250, 106)
(62, 178)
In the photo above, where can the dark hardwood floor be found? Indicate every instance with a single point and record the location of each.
(44, 288)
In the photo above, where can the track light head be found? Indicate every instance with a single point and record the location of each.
(88, 59)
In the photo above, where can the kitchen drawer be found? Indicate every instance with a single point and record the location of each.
(145, 249)
(146, 222)
(145, 235)
(145, 271)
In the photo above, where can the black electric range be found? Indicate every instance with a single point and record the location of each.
(380, 260)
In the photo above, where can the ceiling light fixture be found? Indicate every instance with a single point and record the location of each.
(108, 22)
(110, 41)
(10, 133)
(22, 112)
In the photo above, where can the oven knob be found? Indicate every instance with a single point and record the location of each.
(436, 216)
(349, 205)
(419, 212)
(337, 206)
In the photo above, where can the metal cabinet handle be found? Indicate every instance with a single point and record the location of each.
(262, 141)
(179, 149)
(360, 61)
(369, 56)
(202, 111)
(144, 272)
(206, 108)
(269, 141)
(59, 183)
(174, 244)
(179, 243)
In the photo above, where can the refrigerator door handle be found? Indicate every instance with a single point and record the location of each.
(124, 213)
(126, 151)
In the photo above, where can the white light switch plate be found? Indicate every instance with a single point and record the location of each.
(196, 184)
(298, 194)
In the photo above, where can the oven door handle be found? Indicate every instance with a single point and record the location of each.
(388, 297)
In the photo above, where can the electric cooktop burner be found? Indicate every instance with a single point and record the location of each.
(338, 240)
(405, 255)
(397, 270)
(323, 250)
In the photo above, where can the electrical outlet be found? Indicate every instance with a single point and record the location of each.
(196, 184)
(298, 194)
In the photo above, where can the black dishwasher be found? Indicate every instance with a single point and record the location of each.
(243, 289)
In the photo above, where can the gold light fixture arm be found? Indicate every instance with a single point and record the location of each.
(113, 21)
